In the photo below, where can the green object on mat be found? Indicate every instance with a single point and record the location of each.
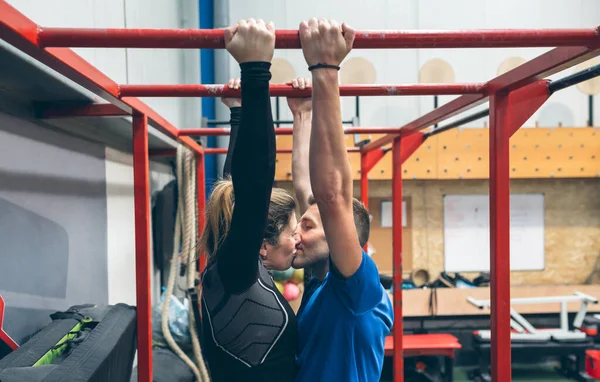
(56, 351)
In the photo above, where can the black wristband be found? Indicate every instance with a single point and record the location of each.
(323, 65)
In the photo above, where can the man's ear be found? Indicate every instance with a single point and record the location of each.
(263, 250)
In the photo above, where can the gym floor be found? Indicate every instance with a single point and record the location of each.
(521, 373)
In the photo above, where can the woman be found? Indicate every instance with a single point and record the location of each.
(250, 331)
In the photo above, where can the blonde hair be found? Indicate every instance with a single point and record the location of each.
(219, 211)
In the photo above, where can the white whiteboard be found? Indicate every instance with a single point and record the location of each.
(467, 232)
(387, 214)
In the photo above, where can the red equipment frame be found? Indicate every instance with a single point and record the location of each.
(513, 96)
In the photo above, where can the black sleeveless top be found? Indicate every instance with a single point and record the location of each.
(250, 336)
(249, 329)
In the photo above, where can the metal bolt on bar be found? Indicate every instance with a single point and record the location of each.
(188, 90)
(289, 39)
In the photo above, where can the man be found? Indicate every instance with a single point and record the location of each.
(347, 315)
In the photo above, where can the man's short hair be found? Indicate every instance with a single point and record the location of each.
(362, 219)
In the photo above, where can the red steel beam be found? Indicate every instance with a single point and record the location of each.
(284, 150)
(282, 90)
(364, 180)
(500, 237)
(445, 111)
(542, 66)
(70, 111)
(201, 200)
(528, 98)
(398, 358)
(22, 33)
(223, 150)
(212, 131)
(141, 192)
(288, 39)
(508, 112)
(410, 144)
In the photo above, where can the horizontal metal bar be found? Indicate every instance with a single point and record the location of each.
(445, 111)
(287, 122)
(574, 78)
(477, 303)
(577, 297)
(460, 122)
(285, 150)
(223, 150)
(554, 86)
(53, 110)
(587, 297)
(544, 66)
(289, 39)
(282, 90)
(215, 131)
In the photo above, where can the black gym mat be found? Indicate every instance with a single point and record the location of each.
(102, 350)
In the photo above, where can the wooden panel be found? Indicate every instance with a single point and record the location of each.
(555, 153)
(283, 170)
(453, 302)
(463, 154)
(382, 238)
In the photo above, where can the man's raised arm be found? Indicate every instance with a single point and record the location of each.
(325, 45)
(301, 109)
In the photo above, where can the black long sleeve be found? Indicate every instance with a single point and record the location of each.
(234, 122)
(253, 173)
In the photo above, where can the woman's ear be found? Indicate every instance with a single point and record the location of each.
(263, 250)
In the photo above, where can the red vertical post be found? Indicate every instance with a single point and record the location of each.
(201, 205)
(500, 131)
(141, 190)
(364, 185)
(364, 180)
(397, 259)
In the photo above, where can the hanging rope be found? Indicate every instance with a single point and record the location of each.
(185, 241)
(190, 256)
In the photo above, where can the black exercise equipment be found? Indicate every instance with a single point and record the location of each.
(86, 343)
(571, 353)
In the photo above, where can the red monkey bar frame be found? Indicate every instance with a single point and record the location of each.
(513, 96)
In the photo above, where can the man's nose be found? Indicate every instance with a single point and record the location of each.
(297, 237)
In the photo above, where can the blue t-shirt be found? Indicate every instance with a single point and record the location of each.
(309, 289)
(343, 326)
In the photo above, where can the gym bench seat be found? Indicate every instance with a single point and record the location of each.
(444, 345)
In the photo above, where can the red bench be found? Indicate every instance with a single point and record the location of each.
(414, 345)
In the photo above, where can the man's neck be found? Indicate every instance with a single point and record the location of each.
(320, 269)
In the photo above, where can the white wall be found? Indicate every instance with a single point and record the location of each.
(121, 224)
(133, 66)
(402, 66)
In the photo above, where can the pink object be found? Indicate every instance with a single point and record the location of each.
(291, 291)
